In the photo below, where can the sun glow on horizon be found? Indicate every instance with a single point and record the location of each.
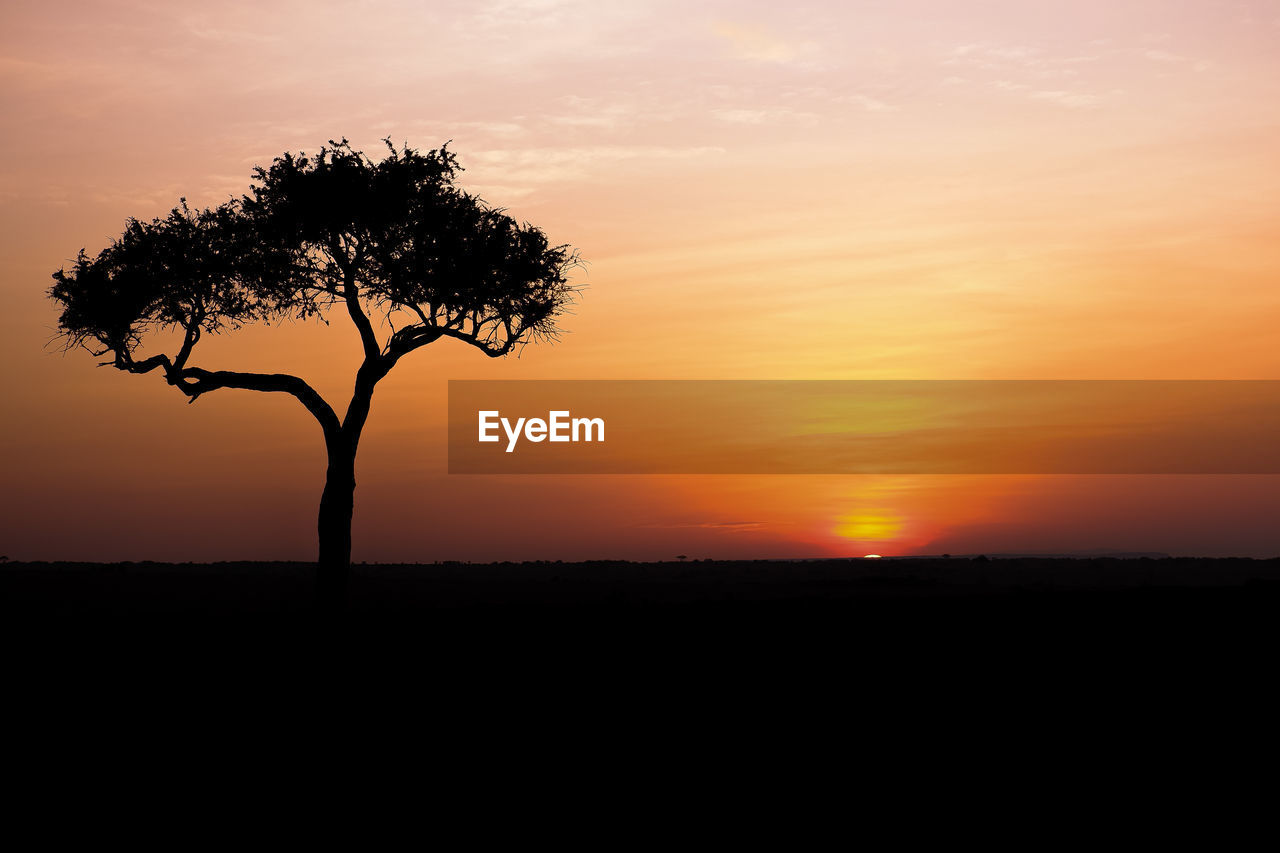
(874, 526)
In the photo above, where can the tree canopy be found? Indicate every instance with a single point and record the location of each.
(394, 239)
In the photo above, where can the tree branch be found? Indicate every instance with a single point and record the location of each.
(351, 294)
(411, 338)
(189, 340)
(124, 362)
(194, 381)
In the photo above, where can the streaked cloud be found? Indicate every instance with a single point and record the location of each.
(521, 167)
(868, 103)
(759, 45)
(728, 526)
(1074, 100)
(764, 116)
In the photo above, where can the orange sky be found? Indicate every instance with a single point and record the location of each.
(917, 189)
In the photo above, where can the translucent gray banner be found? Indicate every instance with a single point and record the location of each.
(864, 427)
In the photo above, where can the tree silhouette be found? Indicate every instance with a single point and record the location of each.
(394, 240)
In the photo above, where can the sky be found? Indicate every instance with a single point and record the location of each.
(918, 189)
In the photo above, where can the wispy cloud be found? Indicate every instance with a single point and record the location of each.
(868, 103)
(1165, 57)
(521, 168)
(200, 27)
(1022, 60)
(613, 111)
(504, 13)
(764, 116)
(493, 129)
(993, 56)
(730, 526)
(1074, 100)
(1028, 72)
(759, 45)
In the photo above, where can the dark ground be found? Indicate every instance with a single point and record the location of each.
(836, 610)
(64, 591)
(1157, 657)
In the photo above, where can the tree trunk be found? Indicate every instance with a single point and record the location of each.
(334, 523)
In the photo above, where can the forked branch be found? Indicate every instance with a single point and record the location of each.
(195, 381)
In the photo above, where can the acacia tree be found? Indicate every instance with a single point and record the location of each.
(394, 242)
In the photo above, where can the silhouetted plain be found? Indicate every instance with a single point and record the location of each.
(827, 614)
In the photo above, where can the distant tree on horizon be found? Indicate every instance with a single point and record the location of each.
(393, 239)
